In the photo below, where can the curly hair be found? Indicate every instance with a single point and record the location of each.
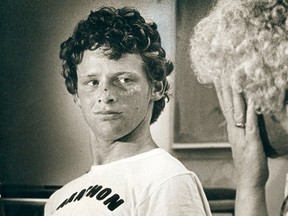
(118, 31)
(246, 42)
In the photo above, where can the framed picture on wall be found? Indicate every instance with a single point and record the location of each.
(197, 118)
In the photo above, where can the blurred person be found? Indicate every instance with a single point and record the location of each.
(242, 48)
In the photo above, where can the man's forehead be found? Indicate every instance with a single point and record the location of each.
(96, 61)
(103, 53)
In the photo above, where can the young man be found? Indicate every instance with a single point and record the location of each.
(116, 69)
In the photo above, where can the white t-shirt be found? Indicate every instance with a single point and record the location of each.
(286, 186)
(286, 195)
(151, 184)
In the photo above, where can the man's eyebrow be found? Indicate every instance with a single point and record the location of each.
(91, 74)
(126, 72)
(88, 75)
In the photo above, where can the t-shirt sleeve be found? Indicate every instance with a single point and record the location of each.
(181, 195)
(48, 209)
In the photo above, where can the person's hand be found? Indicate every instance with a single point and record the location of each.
(248, 154)
(243, 135)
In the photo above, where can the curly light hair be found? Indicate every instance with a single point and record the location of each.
(246, 42)
(118, 31)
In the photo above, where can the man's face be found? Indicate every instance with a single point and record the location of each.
(114, 95)
(277, 129)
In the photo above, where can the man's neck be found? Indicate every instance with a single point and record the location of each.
(104, 152)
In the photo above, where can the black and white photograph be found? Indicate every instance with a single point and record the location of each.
(144, 108)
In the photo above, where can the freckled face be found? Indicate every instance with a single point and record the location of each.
(114, 95)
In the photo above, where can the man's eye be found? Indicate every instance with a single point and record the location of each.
(124, 80)
(93, 83)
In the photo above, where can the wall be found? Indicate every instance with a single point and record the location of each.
(43, 137)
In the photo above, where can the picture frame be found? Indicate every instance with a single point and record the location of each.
(197, 119)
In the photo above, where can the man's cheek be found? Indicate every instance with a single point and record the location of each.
(131, 91)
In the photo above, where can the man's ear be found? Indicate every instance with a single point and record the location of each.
(157, 90)
(77, 100)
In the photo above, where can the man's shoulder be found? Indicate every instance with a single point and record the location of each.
(158, 168)
(164, 162)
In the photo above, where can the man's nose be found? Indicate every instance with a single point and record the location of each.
(106, 95)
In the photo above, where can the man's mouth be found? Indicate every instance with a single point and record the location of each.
(108, 114)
